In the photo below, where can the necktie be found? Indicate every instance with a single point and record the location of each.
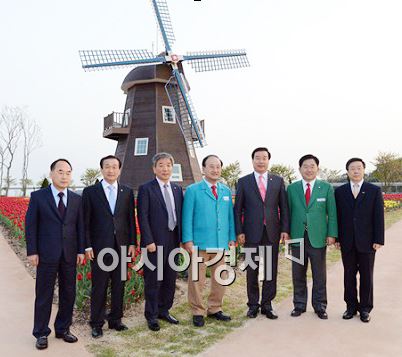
(61, 207)
(169, 207)
(213, 188)
(112, 198)
(308, 194)
(355, 190)
(261, 187)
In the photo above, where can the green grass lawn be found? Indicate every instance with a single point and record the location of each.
(184, 339)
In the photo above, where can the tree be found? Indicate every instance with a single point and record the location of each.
(287, 172)
(8, 181)
(45, 183)
(90, 176)
(32, 138)
(231, 174)
(388, 168)
(24, 184)
(330, 175)
(10, 132)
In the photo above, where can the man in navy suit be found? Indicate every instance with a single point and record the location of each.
(54, 232)
(109, 223)
(360, 208)
(159, 217)
(259, 198)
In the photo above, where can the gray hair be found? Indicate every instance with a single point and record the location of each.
(162, 155)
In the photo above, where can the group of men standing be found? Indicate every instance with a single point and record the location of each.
(62, 227)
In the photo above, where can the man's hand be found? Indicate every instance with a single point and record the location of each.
(90, 254)
(376, 246)
(337, 245)
(131, 251)
(331, 240)
(241, 238)
(80, 259)
(188, 247)
(232, 243)
(284, 236)
(151, 248)
(33, 260)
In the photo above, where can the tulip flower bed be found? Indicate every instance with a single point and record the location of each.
(12, 216)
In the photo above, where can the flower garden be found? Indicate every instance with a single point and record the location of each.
(12, 216)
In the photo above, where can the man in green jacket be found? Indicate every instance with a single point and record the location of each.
(313, 217)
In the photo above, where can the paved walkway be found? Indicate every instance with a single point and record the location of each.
(16, 313)
(309, 336)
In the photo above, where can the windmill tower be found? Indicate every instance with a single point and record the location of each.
(159, 114)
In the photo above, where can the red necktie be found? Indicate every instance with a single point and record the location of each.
(213, 187)
(308, 194)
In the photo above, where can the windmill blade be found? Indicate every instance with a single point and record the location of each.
(161, 11)
(217, 60)
(185, 112)
(104, 59)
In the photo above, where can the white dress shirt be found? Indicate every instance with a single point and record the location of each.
(359, 185)
(170, 192)
(305, 185)
(264, 178)
(56, 197)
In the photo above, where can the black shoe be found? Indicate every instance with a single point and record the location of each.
(169, 318)
(270, 314)
(365, 316)
(348, 314)
(322, 314)
(297, 312)
(97, 332)
(220, 316)
(198, 320)
(41, 343)
(153, 325)
(252, 312)
(67, 336)
(118, 326)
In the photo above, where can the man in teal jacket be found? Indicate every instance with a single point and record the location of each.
(312, 217)
(208, 223)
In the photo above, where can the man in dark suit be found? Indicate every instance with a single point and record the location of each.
(54, 231)
(109, 223)
(259, 198)
(159, 217)
(361, 233)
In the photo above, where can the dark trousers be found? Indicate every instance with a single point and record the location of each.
(46, 274)
(100, 282)
(268, 286)
(317, 257)
(159, 295)
(354, 262)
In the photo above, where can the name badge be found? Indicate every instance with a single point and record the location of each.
(321, 199)
(226, 198)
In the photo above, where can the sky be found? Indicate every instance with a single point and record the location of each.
(325, 76)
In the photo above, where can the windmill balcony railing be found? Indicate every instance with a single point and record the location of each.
(116, 120)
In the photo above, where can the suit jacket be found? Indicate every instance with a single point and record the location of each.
(208, 222)
(320, 215)
(153, 216)
(360, 220)
(250, 209)
(50, 236)
(104, 229)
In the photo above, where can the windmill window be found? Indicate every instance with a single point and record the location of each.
(169, 115)
(177, 174)
(141, 146)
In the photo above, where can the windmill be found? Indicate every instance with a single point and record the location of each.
(157, 97)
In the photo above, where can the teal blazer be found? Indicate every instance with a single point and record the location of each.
(208, 222)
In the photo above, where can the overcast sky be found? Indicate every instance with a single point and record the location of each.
(325, 76)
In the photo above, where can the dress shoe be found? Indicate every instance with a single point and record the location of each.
(97, 332)
(198, 320)
(67, 336)
(365, 316)
(41, 343)
(270, 314)
(220, 316)
(322, 314)
(153, 325)
(297, 312)
(252, 312)
(169, 318)
(118, 326)
(348, 314)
